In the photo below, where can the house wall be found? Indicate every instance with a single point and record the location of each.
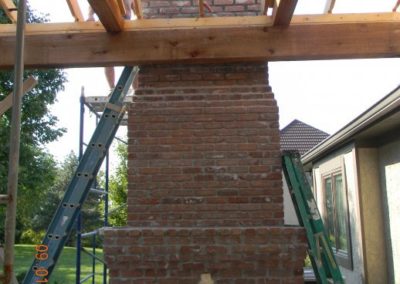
(344, 157)
(288, 208)
(389, 169)
(372, 215)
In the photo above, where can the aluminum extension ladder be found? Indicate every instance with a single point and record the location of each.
(322, 258)
(60, 227)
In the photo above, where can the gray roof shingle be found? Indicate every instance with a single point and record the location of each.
(300, 136)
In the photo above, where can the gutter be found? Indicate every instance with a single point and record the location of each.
(363, 121)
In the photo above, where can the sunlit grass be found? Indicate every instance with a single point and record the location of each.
(65, 268)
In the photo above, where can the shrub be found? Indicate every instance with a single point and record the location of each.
(31, 237)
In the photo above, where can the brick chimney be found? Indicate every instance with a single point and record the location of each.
(205, 201)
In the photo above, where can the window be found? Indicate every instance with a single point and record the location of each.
(336, 217)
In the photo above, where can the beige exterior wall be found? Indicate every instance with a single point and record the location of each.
(389, 168)
(290, 217)
(372, 218)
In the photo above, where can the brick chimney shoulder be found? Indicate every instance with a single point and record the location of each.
(205, 201)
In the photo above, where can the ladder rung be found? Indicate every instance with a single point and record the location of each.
(86, 278)
(88, 234)
(3, 198)
(94, 256)
(98, 191)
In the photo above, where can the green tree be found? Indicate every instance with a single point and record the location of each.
(118, 189)
(47, 208)
(37, 167)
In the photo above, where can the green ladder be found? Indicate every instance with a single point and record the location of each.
(48, 252)
(322, 258)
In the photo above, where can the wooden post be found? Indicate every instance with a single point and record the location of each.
(13, 165)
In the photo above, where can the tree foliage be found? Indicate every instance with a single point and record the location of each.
(37, 170)
(118, 189)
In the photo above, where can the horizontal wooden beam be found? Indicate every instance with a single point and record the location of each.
(10, 9)
(209, 39)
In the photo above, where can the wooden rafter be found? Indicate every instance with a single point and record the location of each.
(75, 10)
(265, 4)
(138, 8)
(283, 12)
(10, 9)
(109, 14)
(330, 4)
(201, 8)
(121, 7)
(209, 39)
(6, 103)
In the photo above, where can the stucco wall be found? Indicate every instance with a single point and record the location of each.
(389, 168)
(372, 215)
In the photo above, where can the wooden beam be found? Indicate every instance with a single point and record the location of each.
(75, 10)
(137, 7)
(109, 14)
(283, 12)
(10, 9)
(209, 39)
(6, 103)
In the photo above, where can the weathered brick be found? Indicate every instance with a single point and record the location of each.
(205, 188)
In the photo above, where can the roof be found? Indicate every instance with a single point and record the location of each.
(371, 125)
(300, 136)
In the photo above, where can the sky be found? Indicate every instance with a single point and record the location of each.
(324, 94)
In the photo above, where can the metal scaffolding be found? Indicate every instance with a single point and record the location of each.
(96, 105)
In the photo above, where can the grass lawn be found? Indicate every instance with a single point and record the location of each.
(64, 272)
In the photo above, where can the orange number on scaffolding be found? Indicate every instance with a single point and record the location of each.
(41, 256)
(44, 280)
(41, 272)
(41, 248)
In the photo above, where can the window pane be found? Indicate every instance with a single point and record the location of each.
(341, 213)
(329, 211)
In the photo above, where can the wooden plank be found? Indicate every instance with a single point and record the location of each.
(208, 39)
(201, 8)
(283, 12)
(10, 10)
(109, 14)
(75, 10)
(6, 103)
(137, 6)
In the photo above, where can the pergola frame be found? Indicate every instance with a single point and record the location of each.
(114, 41)
(280, 37)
